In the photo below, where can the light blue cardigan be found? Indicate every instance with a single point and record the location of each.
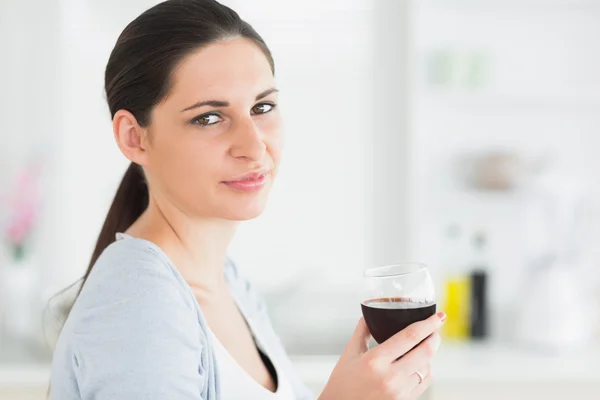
(137, 332)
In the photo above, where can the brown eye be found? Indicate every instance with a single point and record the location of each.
(262, 108)
(206, 119)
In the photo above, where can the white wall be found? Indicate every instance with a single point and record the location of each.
(316, 220)
(389, 134)
(30, 105)
(88, 162)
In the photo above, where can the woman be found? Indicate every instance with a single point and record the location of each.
(162, 312)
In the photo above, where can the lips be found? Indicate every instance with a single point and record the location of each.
(250, 177)
(251, 182)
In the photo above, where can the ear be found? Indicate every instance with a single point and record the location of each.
(130, 137)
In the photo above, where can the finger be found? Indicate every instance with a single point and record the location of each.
(421, 388)
(419, 356)
(359, 342)
(406, 339)
(414, 380)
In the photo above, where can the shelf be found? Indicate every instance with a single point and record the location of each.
(502, 103)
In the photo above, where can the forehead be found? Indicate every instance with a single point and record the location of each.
(229, 70)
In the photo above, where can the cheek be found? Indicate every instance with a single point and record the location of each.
(274, 138)
(186, 159)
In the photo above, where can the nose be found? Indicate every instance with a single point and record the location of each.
(248, 142)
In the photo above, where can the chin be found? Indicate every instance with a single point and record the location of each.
(243, 216)
(244, 212)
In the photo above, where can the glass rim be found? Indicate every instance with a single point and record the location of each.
(371, 272)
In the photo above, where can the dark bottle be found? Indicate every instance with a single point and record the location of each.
(479, 291)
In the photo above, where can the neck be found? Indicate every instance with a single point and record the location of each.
(197, 247)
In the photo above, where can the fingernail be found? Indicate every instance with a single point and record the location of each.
(441, 316)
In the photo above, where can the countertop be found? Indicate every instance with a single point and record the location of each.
(487, 363)
(455, 363)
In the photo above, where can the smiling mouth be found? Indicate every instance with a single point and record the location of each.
(252, 178)
(250, 183)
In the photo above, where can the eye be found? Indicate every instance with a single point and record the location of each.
(263, 108)
(206, 119)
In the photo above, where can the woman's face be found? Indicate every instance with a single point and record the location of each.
(214, 143)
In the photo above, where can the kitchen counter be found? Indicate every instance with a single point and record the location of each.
(493, 372)
(461, 371)
(489, 363)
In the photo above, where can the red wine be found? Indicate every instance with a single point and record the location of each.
(387, 316)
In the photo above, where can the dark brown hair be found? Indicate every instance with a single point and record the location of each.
(139, 74)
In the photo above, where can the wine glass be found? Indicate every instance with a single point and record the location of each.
(396, 296)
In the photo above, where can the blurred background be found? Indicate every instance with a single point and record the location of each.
(462, 134)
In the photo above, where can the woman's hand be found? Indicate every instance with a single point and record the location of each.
(377, 374)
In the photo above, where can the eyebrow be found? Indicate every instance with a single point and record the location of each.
(221, 103)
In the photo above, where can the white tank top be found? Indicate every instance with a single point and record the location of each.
(236, 384)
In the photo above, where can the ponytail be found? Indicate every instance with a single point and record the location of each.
(129, 203)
